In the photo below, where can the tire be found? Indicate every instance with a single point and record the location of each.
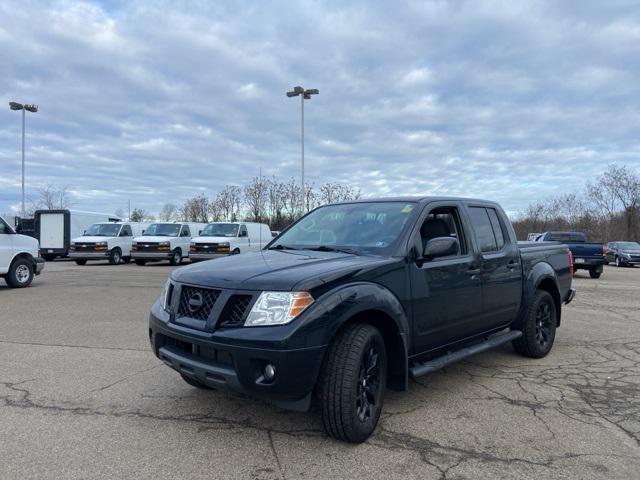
(236, 252)
(115, 257)
(538, 327)
(194, 383)
(49, 258)
(352, 384)
(176, 258)
(594, 273)
(141, 262)
(20, 274)
(81, 262)
(126, 259)
(619, 263)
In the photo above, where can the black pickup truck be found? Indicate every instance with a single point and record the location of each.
(358, 297)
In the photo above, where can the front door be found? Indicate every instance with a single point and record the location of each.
(446, 292)
(6, 247)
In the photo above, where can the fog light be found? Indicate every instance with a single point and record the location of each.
(269, 372)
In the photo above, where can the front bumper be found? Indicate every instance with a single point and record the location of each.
(39, 265)
(88, 255)
(207, 256)
(237, 366)
(151, 255)
(629, 260)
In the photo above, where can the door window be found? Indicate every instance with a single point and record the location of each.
(443, 222)
(185, 231)
(483, 229)
(498, 231)
(243, 231)
(126, 231)
(4, 229)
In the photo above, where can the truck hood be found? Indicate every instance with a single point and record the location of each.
(153, 239)
(213, 239)
(26, 243)
(91, 239)
(276, 270)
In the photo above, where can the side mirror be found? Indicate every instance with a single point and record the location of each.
(441, 247)
(143, 232)
(199, 232)
(84, 232)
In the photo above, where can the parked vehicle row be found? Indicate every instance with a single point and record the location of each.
(19, 260)
(623, 253)
(172, 241)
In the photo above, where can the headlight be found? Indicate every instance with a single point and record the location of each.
(278, 308)
(101, 244)
(165, 298)
(224, 244)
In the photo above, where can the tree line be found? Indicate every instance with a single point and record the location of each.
(265, 200)
(607, 209)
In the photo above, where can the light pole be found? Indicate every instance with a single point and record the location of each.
(24, 108)
(304, 95)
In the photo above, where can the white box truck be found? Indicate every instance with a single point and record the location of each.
(220, 239)
(106, 241)
(19, 260)
(165, 241)
(56, 228)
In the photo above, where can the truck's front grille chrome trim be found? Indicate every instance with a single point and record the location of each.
(197, 302)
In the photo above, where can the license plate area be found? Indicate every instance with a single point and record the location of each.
(579, 260)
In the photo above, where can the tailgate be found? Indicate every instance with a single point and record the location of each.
(589, 251)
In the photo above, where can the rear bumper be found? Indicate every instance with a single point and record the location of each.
(238, 368)
(568, 298)
(588, 263)
(39, 265)
(88, 255)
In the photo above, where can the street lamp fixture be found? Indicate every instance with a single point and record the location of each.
(304, 95)
(24, 108)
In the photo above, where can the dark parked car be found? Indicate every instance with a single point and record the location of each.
(623, 253)
(586, 255)
(358, 297)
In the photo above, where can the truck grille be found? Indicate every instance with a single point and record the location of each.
(147, 246)
(85, 247)
(197, 302)
(235, 310)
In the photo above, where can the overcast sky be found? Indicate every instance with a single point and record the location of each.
(158, 101)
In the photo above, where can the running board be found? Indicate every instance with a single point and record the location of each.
(420, 369)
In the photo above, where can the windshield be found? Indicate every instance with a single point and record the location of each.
(629, 245)
(220, 230)
(103, 230)
(355, 227)
(162, 230)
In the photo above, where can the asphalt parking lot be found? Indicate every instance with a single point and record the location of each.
(82, 396)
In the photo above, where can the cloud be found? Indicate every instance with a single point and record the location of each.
(156, 101)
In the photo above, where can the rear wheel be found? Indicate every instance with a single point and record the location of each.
(126, 259)
(140, 262)
(538, 327)
(49, 257)
(194, 383)
(595, 273)
(81, 262)
(176, 257)
(352, 384)
(20, 273)
(115, 256)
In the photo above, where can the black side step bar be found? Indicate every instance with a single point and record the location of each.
(420, 369)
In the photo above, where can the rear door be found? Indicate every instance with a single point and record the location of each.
(52, 230)
(501, 269)
(445, 292)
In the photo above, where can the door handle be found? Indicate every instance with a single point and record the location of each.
(473, 271)
(512, 265)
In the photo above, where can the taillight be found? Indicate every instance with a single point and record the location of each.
(604, 250)
(570, 255)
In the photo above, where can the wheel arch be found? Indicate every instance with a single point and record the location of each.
(548, 284)
(375, 305)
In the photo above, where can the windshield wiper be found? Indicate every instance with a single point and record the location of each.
(325, 248)
(283, 247)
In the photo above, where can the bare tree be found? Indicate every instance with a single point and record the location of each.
(336, 192)
(229, 201)
(196, 209)
(168, 213)
(256, 197)
(51, 197)
(139, 215)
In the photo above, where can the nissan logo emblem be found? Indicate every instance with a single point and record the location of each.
(195, 302)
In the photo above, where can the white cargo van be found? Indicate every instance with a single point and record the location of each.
(106, 241)
(56, 228)
(19, 260)
(229, 238)
(164, 241)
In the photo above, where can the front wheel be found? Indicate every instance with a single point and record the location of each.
(595, 273)
(141, 262)
(619, 262)
(538, 327)
(176, 257)
(352, 384)
(115, 256)
(20, 273)
(81, 262)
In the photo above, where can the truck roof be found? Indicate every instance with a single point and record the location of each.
(417, 199)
